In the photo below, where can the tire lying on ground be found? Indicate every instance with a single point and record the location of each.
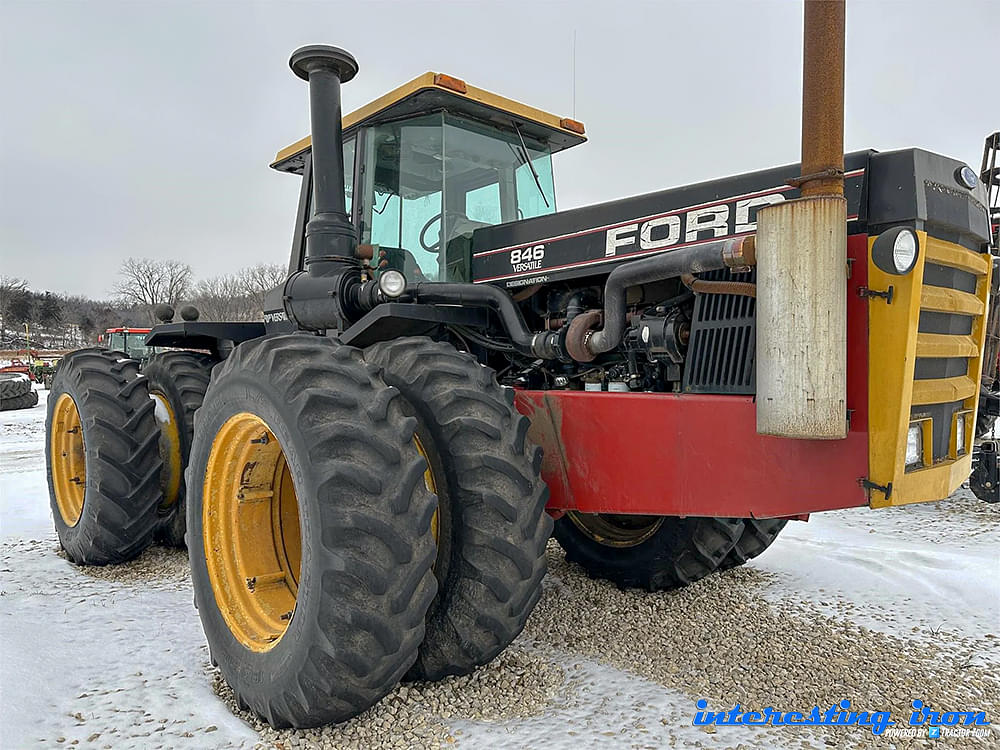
(24, 401)
(13, 384)
(491, 526)
(102, 458)
(177, 384)
(757, 536)
(650, 552)
(309, 530)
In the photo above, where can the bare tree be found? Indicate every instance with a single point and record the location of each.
(224, 298)
(146, 283)
(259, 280)
(13, 293)
(237, 296)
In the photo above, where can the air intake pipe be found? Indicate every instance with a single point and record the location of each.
(330, 236)
(326, 294)
(584, 343)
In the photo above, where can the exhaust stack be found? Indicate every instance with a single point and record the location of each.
(802, 258)
(330, 239)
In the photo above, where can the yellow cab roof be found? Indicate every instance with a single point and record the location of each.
(431, 92)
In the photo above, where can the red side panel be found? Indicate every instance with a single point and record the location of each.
(700, 455)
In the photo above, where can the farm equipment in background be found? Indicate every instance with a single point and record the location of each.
(44, 371)
(366, 494)
(131, 341)
(18, 365)
(39, 368)
(985, 478)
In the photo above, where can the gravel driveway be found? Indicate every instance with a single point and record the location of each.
(878, 607)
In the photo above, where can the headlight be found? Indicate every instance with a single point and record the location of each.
(914, 445)
(904, 251)
(965, 177)
(895, 250)
(391, 283)
(960, 433)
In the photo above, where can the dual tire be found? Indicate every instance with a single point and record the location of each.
(177, 384)
(117, 445)
(492, 527)
(358, 519)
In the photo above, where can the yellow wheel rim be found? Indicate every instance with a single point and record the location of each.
(69, 459)
(613, 530)
(253, 543)
(430, 483)
(170, 449)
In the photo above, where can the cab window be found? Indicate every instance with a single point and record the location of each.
(434, 180)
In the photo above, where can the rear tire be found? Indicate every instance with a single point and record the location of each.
(650, 552)
(492, 527)
(757, 536)
(102, 458)
(178, 381)
(309, 530)
(24, 401)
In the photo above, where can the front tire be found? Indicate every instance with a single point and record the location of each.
(102, 458)
(650, 552)
(492, 525)
(309, 530)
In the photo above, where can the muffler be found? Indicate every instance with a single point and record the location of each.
(802, 258)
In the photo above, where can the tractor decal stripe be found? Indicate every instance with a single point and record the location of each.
(641, 219)
(615, 258)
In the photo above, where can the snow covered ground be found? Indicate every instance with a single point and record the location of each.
(116, 657)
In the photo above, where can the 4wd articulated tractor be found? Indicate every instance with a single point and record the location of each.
(369, 477)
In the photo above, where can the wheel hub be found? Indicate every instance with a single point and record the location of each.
(170, 449)
(431, 485)
(615, 530)
(69, 463)
(251, 531)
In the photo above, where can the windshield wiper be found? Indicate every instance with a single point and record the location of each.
(526, 160)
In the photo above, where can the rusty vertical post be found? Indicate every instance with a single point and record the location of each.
(823, 98)
(802, 258)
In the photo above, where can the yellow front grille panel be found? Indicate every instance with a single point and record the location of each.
(896, 399)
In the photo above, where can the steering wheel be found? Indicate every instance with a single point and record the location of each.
(436, 247)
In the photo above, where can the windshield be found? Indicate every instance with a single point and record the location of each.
(132, 344)
(440, 177)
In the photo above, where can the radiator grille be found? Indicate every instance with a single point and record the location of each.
(723, 340)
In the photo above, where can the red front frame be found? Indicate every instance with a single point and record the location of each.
(700, 455)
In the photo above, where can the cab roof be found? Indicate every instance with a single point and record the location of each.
(431, 92)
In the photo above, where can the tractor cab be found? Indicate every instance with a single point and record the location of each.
(429, 163)
(131, 341)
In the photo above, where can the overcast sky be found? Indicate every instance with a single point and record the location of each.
(146, 128)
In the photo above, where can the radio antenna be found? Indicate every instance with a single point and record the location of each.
(574, 74)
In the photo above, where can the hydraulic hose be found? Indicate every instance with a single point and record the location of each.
(543, 345)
